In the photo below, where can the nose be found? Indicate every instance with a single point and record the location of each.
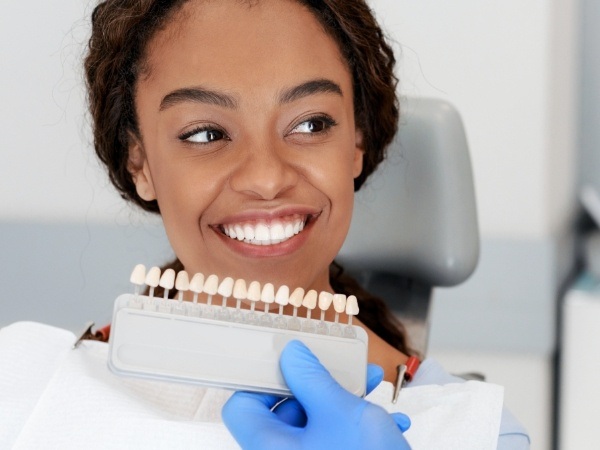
(265, 172)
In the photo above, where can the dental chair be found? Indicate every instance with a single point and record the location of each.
(415, 222)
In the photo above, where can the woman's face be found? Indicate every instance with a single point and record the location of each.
(247, 132)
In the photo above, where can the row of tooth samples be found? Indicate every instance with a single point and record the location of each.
(240, 290)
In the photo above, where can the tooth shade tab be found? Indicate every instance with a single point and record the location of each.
(239, 289)
(254, 291)
(297, 297)
(211, 284)
(282, 297)
(352, 305)
(226, 287)
(268, 293)
(138, 275)
(325, 299)
(153, 277)
(167, 279)
(197, 283)
(339, 303)
(182, 282)
(310, 299)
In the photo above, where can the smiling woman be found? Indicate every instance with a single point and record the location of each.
(248, 125)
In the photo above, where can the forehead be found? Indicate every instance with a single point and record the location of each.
(243, 44)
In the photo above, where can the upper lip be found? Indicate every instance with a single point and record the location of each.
(268, 215)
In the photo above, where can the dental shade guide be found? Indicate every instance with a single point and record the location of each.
(211, 285)
(282, 298)
(182, 284)
(137, 278)
(296, 298)
(254, 296)
(325, 300)
(229, 347)
(167, 282)
(267, 296)
(351, 311)
(152, 280)
(239, 293)
(196, 286)
(339, 305)
(309, 302)
(225, 290)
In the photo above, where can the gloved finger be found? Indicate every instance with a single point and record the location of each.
(402, 420)
(291, 412)
(374, 376)
(312, 385)
(246, 412)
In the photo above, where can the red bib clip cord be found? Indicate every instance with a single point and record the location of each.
(406, 372)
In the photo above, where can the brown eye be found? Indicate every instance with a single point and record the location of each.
(314, 125)
(203, 135)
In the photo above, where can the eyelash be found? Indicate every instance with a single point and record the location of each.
(328, 123)
(200, 129)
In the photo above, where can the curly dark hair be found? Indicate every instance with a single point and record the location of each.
(116, 58)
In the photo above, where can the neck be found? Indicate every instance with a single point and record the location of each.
(384, 355)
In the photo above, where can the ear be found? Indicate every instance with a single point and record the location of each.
(138, 167)
(359, 154)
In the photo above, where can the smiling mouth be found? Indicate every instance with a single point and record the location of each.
(263, 232)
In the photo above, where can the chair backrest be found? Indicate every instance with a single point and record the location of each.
(415, 221)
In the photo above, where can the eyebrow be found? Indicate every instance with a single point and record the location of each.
(311, 87)
(198, 95)
(203, 95)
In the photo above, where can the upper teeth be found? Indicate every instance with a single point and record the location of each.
(262, 233)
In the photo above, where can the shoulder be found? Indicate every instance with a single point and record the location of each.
(512, 435)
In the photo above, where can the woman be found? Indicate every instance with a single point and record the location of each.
(248, 125)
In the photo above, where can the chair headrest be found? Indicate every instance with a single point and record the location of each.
(416, 215)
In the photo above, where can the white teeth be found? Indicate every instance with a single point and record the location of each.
(277, 232)
(239, 231)
(261, 232)
(265, 234)
(288, 232)
(248, 232)
(232, 234)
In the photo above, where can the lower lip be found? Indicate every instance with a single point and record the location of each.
(265, 251)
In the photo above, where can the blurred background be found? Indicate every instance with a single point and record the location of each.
(525, 76)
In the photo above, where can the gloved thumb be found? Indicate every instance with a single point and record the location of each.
(245, 413)
(311, 383)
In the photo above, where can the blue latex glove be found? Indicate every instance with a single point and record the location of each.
(323, 415)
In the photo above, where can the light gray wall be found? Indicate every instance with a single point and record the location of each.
(590, 95)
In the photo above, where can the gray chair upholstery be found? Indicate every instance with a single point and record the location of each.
(415, 221)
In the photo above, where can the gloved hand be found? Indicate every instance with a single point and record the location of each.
(323, 415)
